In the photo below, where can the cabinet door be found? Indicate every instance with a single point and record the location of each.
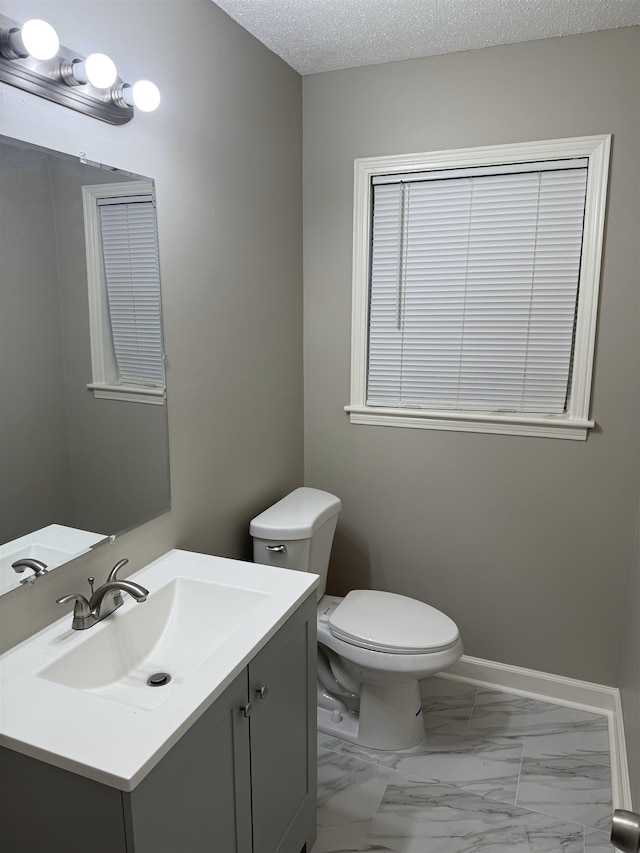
(283, 736)
(198, 798)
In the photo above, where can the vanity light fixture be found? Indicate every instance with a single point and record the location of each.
(32, 59)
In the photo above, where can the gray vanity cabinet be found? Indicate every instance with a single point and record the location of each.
(240, 780)
(283, 737)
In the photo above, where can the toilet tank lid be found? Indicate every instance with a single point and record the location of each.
(296, 516)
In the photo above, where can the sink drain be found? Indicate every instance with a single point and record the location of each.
(158, 679)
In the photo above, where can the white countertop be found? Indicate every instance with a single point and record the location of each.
(116, 743)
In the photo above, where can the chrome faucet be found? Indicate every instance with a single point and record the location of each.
(38, 567)
(104, 600)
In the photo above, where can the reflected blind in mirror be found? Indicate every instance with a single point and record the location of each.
(132, 276)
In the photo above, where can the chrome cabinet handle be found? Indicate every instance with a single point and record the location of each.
(262, 691)
(247, 709)
(277, 549)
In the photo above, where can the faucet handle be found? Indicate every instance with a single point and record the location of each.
(114, 571)
(82, 616)
(81, 607)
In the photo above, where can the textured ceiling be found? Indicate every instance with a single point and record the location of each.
(325, 35)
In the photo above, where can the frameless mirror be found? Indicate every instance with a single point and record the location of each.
(75, 467)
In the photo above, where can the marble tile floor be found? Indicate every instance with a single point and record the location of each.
(496, 772)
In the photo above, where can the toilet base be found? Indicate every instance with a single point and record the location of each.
(390, 718)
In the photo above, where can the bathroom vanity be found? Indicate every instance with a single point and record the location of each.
(224, 761)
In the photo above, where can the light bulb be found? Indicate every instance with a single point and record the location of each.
(40, 39)
(146, 95)
(101, 71)
(96, 69)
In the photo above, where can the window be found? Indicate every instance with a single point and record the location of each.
(475, 287)
(127, 353)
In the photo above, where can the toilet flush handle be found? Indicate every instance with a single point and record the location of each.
(276, 549)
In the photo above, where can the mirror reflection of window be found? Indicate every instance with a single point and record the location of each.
(124, 292)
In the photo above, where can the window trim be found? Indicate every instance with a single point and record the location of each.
(573, 424)
(103, 364)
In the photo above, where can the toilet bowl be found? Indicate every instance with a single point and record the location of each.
(373, 646)
(378, 646)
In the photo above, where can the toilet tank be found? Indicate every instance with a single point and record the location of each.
(297, 533)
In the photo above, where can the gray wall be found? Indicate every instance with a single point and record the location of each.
(225, 151)
(35, 479)
(525, 542)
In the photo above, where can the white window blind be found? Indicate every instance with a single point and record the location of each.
(132, 276)
(474, 287)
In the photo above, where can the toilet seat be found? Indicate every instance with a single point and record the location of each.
(391, 623)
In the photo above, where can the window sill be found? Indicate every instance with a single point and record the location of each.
(551, 426)
(128, 393)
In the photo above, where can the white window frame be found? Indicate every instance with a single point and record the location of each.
(104, 368)
(575, 422)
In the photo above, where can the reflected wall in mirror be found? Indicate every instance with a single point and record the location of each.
(68, 459)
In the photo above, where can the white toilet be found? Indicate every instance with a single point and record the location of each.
(374, 646)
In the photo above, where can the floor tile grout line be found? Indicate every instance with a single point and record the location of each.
(560, 819)
(379, 803)
(519, 776)
(473, 705)
(579, 756)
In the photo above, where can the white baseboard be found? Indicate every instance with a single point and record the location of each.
(619, 764)
(584, 695)
(552, 688)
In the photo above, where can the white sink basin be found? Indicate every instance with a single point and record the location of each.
(80, 699)
(173, 632)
